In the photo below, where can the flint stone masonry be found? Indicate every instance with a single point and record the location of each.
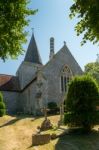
(27, 100)
(10, 100)
(52, 71)
(26, 72)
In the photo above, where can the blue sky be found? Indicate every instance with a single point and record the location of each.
(53, 19)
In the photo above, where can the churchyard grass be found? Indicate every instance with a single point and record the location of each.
(16, 134)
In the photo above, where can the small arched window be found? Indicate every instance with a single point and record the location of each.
(66, 76)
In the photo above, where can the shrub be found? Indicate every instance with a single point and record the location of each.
(2, 112)
(2, 106)
(1, 97)
(81, 102)
(53, 109)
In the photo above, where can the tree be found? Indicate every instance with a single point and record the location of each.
(93, 70)
(2, 106)
(81, 102)
(13, 18)
(88, 13)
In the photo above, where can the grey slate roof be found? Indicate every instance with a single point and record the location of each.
(32, 54)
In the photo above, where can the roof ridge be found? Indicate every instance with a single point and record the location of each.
(8, 75)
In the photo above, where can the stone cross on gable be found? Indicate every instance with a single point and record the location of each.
(64, 42)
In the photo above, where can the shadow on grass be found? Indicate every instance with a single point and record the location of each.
(31, 146)
(17, 118)
(37, 118)
(20, 117)
(9, 122)
(73, 141)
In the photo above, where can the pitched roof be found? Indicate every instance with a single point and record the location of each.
(32, 54)
(71, 60)
(9, 83)
(71, 57)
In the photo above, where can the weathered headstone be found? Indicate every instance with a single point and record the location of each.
(40, 139)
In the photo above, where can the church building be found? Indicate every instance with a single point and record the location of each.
(35, 84)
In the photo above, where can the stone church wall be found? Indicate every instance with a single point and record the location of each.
(52, 71)
(27, 99)
(26, 72)
(29, 103)
(10, 99)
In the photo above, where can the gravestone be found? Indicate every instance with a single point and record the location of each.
(40, 139)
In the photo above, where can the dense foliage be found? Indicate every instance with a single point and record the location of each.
(2, 106)
(93, 70)
(13, 19)
(52, 107)
(88, 14)
(81, 102)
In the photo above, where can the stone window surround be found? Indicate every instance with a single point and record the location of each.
(65, 77)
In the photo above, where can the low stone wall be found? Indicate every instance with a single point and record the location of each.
(40, 139)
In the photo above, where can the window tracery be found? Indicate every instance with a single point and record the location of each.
(66, 76)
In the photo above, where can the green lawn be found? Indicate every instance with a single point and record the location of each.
(16, 134)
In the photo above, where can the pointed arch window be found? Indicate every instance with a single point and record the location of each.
(66, 76)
